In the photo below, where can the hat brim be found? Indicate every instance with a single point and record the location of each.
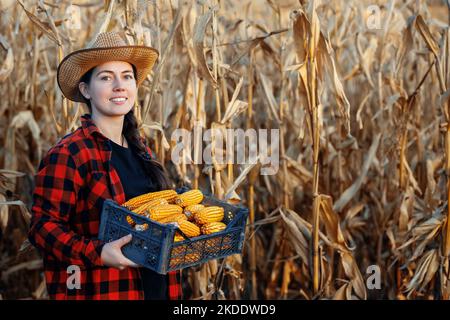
(76, 64)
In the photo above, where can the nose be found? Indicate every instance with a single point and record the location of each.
(118, 85)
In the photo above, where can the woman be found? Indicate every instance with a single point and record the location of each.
(104, 158)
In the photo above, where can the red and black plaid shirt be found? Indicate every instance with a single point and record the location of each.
(72, 181)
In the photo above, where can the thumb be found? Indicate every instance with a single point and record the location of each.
(124, 240)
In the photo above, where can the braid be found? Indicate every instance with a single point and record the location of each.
(131, 133)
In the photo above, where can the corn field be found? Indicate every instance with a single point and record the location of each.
(358, 89)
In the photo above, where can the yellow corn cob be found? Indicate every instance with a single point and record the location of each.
(188, 198)
(131, 221)
(180, 249)
(137, 227)
(189, 228)
(188, 258)
(226, 243)
(212, 227)
(192, 257)
(173, 218)
(209, 214)
(152, 203)
(136, 202)
(175, 261)
(191, 210)
(163, 211)
(212, 244)
(178, 237)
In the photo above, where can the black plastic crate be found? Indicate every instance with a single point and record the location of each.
(154, 247)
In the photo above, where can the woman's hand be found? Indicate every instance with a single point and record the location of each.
(112, 254)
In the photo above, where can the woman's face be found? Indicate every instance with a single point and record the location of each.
(112, 88)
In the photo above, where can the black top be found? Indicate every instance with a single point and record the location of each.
(136, 181)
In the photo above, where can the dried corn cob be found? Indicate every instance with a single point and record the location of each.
(178, 237)
(188, 198)
(173, 218)
(189, 228)
(178, 250)
(192, 257)
(212, 227)
(136, 202)
(191, 210)
(227, 242)
(175, 261)
(212, 245)
(153, 203)
(163, 211)
(189, 257)
(137, 227)
(130, 221)
(209, 214)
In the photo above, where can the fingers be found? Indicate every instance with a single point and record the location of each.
(125, 263)
(128, 263)
(124, 240)
(116, 257)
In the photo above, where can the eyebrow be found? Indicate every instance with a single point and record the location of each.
(109, 71)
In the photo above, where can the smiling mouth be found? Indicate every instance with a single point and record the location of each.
(118, 99)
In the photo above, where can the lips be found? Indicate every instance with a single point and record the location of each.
(118, 100)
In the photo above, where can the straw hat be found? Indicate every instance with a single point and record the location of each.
(108, 46)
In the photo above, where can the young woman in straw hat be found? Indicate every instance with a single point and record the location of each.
(104, 158)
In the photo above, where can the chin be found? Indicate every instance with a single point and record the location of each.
(119, 110)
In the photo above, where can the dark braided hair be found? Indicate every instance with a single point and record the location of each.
(131, 132)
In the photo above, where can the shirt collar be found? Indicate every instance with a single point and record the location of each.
(89, 127)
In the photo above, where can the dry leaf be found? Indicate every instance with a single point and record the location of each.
(198, 40)
(4, 213)
(43, 26)
(351, 191)
(7, 66)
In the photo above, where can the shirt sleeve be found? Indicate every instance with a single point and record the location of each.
(54, 200)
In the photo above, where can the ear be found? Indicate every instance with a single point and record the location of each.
(82, 86)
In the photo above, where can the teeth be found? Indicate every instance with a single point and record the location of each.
(118, 99)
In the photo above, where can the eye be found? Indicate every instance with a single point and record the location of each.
(129, 76)
(105, 78)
